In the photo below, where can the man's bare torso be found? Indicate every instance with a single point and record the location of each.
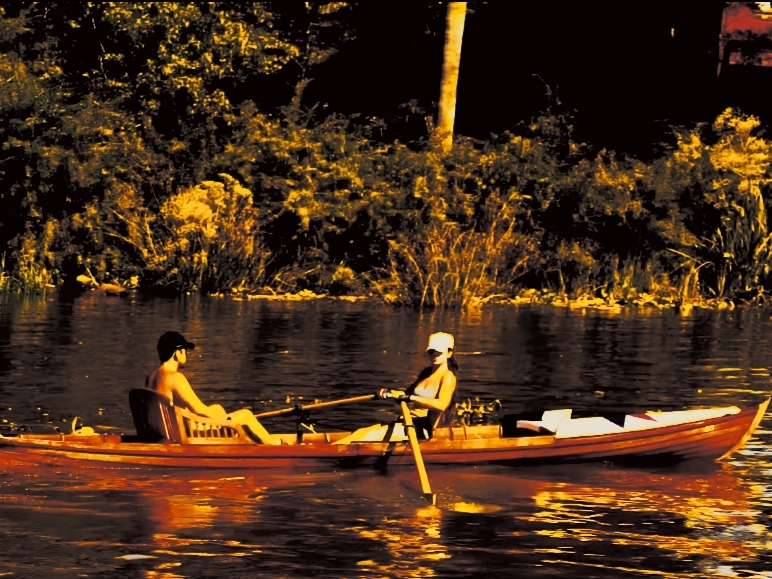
(164, 382)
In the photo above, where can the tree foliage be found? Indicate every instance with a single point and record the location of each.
(137, 142)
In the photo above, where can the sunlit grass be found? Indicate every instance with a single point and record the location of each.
(5, 278)
(30, 276)
(448, 267)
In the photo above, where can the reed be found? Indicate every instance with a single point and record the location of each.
(5, 277)
(448, 267)
(637, 283)
(33, 277)
(29, 277)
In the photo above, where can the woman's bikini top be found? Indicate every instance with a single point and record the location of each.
(437, 418)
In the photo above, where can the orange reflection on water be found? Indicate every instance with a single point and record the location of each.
(560, 518)
(197, 503)
(411, 542)
(694, 521)
(686, 516)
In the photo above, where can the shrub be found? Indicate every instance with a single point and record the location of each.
(451, 267)
(205, 238)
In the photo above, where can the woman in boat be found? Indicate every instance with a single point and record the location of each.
(432, 395)
(434, 391)
(170, 383)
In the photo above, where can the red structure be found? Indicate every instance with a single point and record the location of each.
(746, 35)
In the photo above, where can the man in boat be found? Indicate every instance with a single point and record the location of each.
(433, 393)
(170, 383)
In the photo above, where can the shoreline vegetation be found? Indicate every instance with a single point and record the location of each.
(504, 221)
(152, 166)
(646, 302)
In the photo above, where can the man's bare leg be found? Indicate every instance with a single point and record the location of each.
(245, 417)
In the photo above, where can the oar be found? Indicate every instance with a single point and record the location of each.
(297, 409)
(426, 488)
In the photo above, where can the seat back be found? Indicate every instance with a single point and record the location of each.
(154, 416)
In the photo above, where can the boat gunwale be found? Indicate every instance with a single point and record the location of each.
(464, 450)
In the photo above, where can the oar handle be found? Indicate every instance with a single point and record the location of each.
(426, 488)
(298, 409)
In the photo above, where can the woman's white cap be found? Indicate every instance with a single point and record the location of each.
(441, 342)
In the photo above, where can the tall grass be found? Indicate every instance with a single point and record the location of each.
(30, 276)
(33, 277)
(5, 277)
(447, 267)
(634, 282)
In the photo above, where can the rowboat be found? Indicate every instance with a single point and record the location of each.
(169, 436)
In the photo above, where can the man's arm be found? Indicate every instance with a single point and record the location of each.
(185, 393)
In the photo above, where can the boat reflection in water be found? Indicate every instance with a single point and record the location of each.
(696, 520)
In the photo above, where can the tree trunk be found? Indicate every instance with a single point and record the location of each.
(454, 32)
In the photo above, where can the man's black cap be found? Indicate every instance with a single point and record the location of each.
(170, 342)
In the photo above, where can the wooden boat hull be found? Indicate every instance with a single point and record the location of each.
(713, 438)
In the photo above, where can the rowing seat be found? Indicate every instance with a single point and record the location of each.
(158, 420)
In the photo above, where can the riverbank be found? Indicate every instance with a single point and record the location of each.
(533, 298)
(530, 297)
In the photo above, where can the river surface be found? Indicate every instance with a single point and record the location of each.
(63, 358)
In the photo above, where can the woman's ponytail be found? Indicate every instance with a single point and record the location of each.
(452, 364)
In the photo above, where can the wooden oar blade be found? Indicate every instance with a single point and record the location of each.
(426, 488)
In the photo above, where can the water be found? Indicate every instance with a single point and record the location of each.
(59, 359)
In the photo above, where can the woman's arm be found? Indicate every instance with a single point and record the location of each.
(447, 387)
